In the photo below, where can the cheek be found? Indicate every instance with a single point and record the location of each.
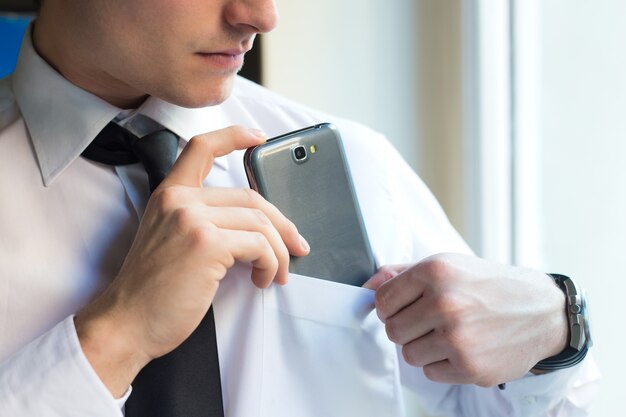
(159, 59)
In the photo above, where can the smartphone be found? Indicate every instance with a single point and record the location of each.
(306, 176)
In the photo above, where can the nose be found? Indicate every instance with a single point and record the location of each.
(258, 15)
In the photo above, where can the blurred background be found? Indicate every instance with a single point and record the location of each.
(512, 111)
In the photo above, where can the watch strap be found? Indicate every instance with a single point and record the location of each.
(566, 359)
(570, 356)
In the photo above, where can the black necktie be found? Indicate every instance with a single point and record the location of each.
(185, 382)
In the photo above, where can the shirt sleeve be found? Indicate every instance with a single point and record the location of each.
(565, 393)
(52, 377)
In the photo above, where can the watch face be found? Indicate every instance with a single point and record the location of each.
(585, 315)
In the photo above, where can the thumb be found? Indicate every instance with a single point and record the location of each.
(196, 160)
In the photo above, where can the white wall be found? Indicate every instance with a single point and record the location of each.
(583, 169)
(350, 58)
(392, 66)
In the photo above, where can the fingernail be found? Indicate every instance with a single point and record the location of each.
(304, 244)
(258, 133)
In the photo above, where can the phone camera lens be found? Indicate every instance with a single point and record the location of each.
(299, 153)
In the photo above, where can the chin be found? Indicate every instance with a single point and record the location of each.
(206, 94)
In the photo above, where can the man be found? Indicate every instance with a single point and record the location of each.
(79, 237)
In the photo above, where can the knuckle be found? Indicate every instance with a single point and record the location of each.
(261, 217)
(218, 267)
(203, 237)
(200, 143)
(261, 242)
(166, 198)
(228, 260)
(438, 268)
(455, 312)
(184, 218)
(251, 197)
(448, 305)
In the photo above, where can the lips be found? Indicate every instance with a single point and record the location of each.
(228, 60)
(228, 52)
(223, 61)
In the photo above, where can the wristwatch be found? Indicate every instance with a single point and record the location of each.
(580, 337)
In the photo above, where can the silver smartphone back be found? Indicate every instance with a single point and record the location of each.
(305, 174)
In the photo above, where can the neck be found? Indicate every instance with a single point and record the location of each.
(61, 49)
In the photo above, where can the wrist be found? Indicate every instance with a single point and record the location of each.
(558, 336)
(110, 347)
(556, 327)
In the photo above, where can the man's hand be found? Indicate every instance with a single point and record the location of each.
(468, 321)
(187, 240)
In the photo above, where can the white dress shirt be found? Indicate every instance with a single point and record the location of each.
(311, 348)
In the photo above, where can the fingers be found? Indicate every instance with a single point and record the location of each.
(251, 220)
(399, 292)
(444, 372)
(384, 274)
(413, 322)
(196, 160)
(435, 309)
(424, 351)
(216, 250)
(241, 219)
(233, 197)
(253, 247)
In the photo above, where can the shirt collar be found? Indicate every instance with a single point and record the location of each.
(62, 119)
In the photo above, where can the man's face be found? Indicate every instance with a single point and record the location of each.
(186, 52)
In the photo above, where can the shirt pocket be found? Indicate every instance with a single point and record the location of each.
(326, 353)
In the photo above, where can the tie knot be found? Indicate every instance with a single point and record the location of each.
(115, 145)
